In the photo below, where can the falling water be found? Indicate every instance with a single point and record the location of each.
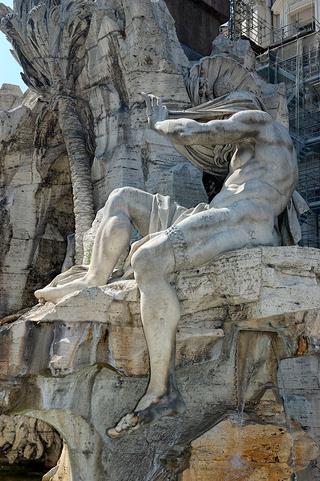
(288, 423)
(245, 369)
(244, 372)
(245, 382)
(284, 396)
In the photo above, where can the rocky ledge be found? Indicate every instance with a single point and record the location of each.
(248, 340)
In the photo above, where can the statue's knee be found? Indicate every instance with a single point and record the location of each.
(119, 198)
(153, 260)
(144, 264)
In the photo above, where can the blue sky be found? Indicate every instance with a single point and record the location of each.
(9, 68)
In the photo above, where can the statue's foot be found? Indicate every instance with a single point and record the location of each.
(168, 405)
(54, 294)
(128, 423)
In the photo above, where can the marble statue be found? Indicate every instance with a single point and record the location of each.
(224, 309)
(247, 212)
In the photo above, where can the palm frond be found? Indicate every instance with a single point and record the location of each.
(48, 40)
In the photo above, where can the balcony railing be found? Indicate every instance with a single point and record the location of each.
(245, 22)
(293, 30)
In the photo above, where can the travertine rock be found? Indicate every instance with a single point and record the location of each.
(62, 471)
(103, 324)
(130, 47)
(36, 205)
(10, 97)
(82, 364)
(27, 440)
(253, 452)
(70, 369)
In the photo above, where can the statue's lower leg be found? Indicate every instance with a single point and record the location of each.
(160, 312)
(124, 208)
(111, 241)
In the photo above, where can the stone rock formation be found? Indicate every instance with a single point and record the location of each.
(247, 349)
(36, 203)
(28, 441)
(129, 47)
(253, 451)
(244, 315)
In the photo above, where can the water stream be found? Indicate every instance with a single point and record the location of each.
(284, 395)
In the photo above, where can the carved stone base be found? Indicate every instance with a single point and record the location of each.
(81, 365)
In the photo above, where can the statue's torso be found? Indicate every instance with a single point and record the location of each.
(263, 171)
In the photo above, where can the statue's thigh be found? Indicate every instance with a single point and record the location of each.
(134, 204)
(206, 235)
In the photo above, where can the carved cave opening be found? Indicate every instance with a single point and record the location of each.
(29, 448)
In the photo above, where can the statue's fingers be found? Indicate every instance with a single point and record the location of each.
(147, 100)
(155, 101)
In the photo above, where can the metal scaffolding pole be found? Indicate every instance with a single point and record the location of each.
(233, 15)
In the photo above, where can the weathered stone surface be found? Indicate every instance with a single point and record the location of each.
(82, 364)
(252, 452)
(83, 383)
(26, 440)
(149, 58)
(130, 47)
(10, 97)
(255, 288)
(62, 471)
(36, 204)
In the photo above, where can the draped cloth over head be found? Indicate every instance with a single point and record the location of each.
(215, 159)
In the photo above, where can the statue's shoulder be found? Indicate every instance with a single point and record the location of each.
(253, 116)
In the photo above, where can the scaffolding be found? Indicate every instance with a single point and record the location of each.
(291, 55)
(301, 74)
(246, 23)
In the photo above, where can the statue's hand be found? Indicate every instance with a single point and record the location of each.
(156, 111)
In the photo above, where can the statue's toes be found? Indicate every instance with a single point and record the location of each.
(128, 423)
(47, 294)
(39, 295)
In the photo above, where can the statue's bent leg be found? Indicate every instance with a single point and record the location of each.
(160, 311)
(125, 207)
(188, 244)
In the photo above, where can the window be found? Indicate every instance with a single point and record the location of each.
(303, 16)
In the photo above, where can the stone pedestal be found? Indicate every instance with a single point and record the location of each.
(247, 345)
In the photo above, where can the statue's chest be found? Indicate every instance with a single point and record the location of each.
(242, 156)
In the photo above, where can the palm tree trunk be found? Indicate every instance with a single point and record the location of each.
(74, 135)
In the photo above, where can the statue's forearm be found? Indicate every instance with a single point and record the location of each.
(186, 131)
(179, 131)
(189, 132)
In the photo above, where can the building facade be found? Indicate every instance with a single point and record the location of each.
(198, 23)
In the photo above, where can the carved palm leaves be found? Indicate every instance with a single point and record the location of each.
(49, 42)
